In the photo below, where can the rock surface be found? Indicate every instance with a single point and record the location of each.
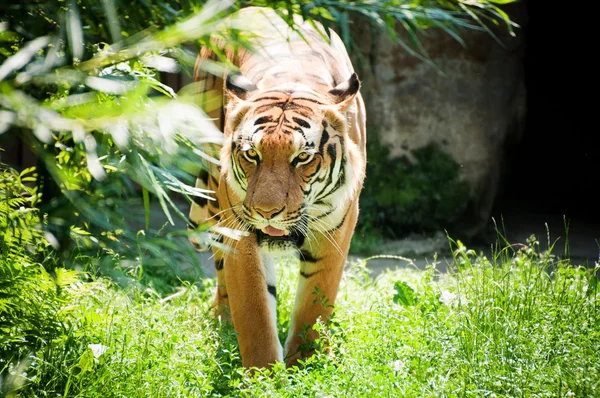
(471, 111)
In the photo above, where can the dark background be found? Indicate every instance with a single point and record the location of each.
(556, 167)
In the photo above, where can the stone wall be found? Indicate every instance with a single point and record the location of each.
(471, 107)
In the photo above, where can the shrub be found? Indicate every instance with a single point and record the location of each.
(402, 197)
(32, 289)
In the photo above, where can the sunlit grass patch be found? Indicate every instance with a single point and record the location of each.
(524, 324)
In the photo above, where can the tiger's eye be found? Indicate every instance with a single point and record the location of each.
(251, 152)
(303, 156)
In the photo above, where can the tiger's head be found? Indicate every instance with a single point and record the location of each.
(287, 155)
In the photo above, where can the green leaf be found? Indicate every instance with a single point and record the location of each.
(405, 295)
(65, 277)
(147, 209)
(86, 362)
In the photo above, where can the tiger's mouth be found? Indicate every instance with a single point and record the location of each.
(288, 236)
(293, 239)
(272, 231)
(276, 229)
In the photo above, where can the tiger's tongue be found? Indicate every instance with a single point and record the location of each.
(269, 230)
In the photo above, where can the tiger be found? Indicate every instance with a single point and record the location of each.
(291, 168)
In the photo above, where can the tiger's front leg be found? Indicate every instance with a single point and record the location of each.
(250, 281)
(321, 269)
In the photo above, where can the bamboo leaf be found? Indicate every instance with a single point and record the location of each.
(21, 58)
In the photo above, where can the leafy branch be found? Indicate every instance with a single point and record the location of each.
(81, 86)
(414, 17)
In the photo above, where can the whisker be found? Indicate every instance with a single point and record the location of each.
(321, 227)
(323, 231)
(224, 210)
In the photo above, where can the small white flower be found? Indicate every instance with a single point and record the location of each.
(398, 366)
(447, 297)
(98, 349)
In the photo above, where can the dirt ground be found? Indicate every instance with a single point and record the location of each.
(579, 241)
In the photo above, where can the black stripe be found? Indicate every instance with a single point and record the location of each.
(329, 187)
(324, 139)
(326, 213)
(338, 184)
(214, 180)
(278, 213)
(262, 120)
(237, 172)
(219, 264)
(307, 256)
(267, 107)
(200, 201)
(302, 123)
(308, 191)
(213, 205)
(342, 177)
(308, 99)
(273, 290)
(237, 217)
(340, 224)
(294, 106)
(310, 176)
(309, 274)
(305, 114)
(267, 98)
(203, 176)
(299, 130)
(222, 118)
(332, 152)
(285, 105)
(299, 240)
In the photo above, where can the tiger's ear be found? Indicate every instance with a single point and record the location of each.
(238, 86)
(344, 93)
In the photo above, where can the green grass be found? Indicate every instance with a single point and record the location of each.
(518, 324)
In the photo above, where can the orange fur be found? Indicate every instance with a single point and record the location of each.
(292, 164)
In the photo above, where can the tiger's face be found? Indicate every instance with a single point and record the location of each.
(285, 157)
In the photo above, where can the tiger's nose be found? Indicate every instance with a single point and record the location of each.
(268, 214)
